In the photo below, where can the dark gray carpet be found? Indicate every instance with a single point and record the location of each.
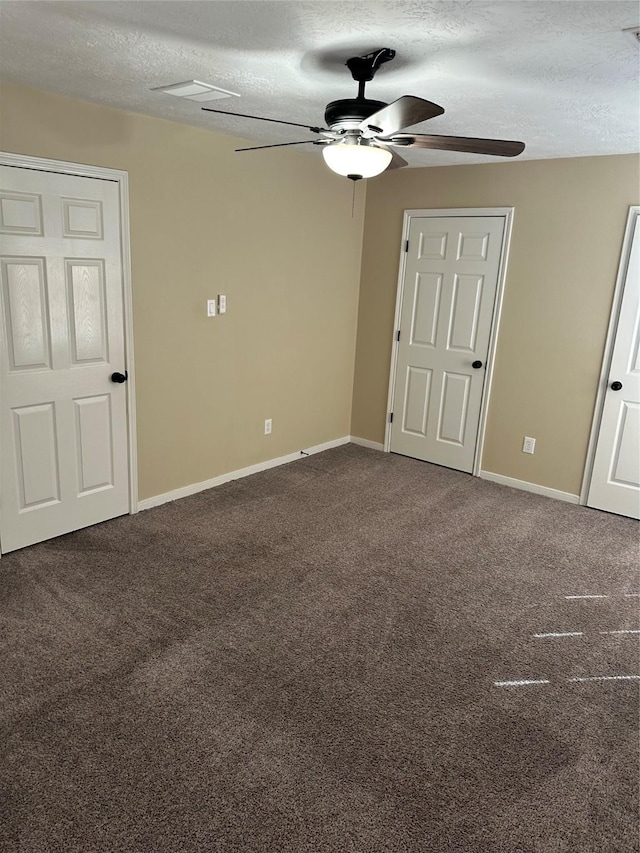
(304, 661)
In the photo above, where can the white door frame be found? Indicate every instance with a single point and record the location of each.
(22, 161)
(603, 381)
(507, 214)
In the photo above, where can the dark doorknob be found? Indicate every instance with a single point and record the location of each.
(616, 386)
(476, 364)
(120, 377)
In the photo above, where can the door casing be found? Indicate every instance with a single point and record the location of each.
(80, 170)
(603, 381)
(507, 214)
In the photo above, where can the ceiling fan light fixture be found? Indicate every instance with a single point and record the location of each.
(349, 159)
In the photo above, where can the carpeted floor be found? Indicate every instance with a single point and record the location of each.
(305, 661)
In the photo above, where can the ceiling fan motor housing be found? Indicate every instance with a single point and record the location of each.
(348, 113)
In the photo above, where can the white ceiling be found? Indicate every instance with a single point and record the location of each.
(560, 76)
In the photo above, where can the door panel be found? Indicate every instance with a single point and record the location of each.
(414, 419)
(35, 455)
(63, 423)
(88, 323)
(473, 246)
(449, 290)
(94, 442)
(615, 479)
(432, 245)
(82, 218)
(626, 449)
(425, 311)
(25, 298)
(465, 312)
(453, 408)
(20, 213)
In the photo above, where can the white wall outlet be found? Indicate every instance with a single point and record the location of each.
(529, 445)
(222, 304)
(211, 307)
(268, 425)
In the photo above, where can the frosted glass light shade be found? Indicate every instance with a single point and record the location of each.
(366, 161)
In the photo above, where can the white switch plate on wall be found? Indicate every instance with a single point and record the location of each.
(222, 304)
(211, 307)
(529, 445)
(268, 424)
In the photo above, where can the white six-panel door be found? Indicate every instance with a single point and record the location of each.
(63, 422)
(615, 479)
(448, 298)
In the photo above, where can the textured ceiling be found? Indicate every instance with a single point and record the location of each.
(560, 76)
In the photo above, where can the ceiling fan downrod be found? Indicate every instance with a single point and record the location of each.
(347, 113)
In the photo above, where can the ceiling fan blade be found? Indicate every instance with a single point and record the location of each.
(282, 144)
(468, 144)
(262, 118)
(405, 112)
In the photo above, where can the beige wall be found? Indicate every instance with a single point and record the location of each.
(273, 231)
(567, 235)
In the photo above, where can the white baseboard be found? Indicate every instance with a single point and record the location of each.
(194, 488)
(529, 487)
(364, 442)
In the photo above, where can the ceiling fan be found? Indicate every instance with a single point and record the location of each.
(362, 134)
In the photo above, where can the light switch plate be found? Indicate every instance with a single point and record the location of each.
(211, 307)
(222, 304)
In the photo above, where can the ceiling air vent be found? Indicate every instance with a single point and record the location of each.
(194, 90)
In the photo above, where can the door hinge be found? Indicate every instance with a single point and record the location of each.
(406, 245)
(390, 417)
(398, 335)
